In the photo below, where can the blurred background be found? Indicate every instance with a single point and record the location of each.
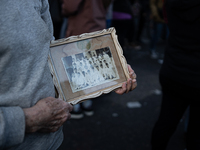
(120, 121)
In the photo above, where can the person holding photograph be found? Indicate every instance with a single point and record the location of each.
(30, 115)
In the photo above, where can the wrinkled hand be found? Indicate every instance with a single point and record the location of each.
(47, 115)
(130, 84)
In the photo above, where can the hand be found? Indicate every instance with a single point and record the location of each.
(47, 115)
(130, 84)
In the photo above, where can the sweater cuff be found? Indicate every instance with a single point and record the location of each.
(12, 122)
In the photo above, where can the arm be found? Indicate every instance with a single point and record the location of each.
(130, 84)
(14, 121)
(69, 7)
(47, 115)
(45, 15)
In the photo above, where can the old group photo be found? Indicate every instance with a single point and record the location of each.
(91, 68)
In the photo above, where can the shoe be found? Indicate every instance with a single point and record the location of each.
(135, 46)
(87, 108)
(76, 115)
(153, 55)
(160, 61)
(77, 112)
(88, 111)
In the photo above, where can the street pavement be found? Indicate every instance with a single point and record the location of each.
(125, 122)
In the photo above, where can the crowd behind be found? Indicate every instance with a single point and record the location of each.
(141, 16)
(31, 116)
(131, 19)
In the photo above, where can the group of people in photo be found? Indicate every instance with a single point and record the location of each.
(90, 68)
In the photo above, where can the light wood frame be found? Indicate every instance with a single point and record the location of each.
(101, 43)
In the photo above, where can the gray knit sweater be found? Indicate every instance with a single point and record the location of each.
(25, 34)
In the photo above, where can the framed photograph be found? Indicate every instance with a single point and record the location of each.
(88, 65)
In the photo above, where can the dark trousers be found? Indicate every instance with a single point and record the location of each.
(124, 30)
(176, 98)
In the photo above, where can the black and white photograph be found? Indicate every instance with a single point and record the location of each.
(87, 65)
(91, 68)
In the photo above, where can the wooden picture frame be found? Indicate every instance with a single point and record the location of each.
(88, 65)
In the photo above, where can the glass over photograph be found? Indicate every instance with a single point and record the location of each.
(89, 69)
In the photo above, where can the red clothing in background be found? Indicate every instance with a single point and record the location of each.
(84, 16)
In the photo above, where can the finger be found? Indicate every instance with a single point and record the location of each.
(58, 122)
(130, 69)
(67, 106)
(121, 90)
(55, 123)
(57, 112)
(54, 129)
(70, 107)
(133, 75)
(129, 85)
(62, 115)
(131, 72)
(62, 121)
(134, 84)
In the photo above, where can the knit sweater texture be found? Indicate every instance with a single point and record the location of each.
(25, 34)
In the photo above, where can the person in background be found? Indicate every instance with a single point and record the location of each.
(159, 25)
(30, 115)
(85, 16)
(123, 21)
(179, 75)
(142, 18)
(56, 16)
(109, 15)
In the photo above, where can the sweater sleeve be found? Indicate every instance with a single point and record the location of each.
(12, 126)
(45, 15)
